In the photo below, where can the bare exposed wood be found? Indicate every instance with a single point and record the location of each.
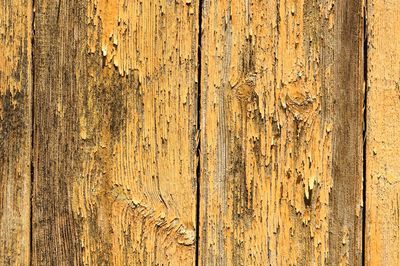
(15, 130)
(115, 123)
(281, 133)
(346, 196)
(382, 233)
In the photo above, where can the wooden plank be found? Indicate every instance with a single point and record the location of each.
(115, 116)
(382, 234)
(346, 196)
(15, 130)
(281, 133)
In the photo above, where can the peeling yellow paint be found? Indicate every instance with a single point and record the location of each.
(137, 188)
(267, 142)
(382, 234)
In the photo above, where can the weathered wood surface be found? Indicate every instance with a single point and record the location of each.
(99, 133)
(281, 133)
(15, 130)
(382, 233)
(115, 116)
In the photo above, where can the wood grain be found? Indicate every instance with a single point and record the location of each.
(115, 117)
(281, 133)
(15, 130)
(382, 233)
(99, 148)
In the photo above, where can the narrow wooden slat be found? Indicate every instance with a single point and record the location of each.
(15, 130)
(346, 197)
(382, 234)
(281, 133)
(115, 116)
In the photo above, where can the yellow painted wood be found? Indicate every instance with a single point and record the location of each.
(382, 233)
(115, 123)
(281, 133)
(15, 130)
(103, 140)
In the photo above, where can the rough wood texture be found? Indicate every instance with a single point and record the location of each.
(115, 116)
(382, 233)
(281, 133)
(346, 197)
(15, 130)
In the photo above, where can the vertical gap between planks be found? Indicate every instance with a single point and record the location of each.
(32, 98)
(198, 170)
(365, 65)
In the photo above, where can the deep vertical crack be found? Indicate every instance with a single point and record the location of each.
(365, 64)
(198, 170)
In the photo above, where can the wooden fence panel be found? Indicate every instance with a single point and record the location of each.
(281, 133)
(101, 157)
(115, 114)
(15, 130)
(382, 233)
